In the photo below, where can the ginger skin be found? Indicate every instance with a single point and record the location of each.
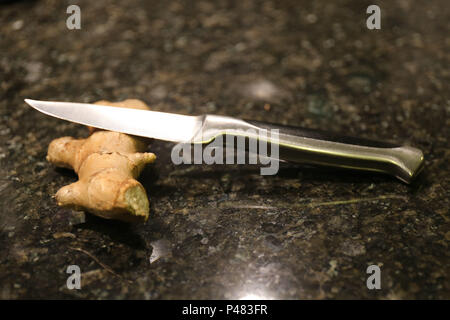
(107, 164)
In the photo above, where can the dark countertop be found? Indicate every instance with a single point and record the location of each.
(226, 231)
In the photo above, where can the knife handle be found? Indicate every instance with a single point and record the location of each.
(318, 147)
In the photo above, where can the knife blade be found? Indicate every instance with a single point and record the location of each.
(295, 144)
(152, 124)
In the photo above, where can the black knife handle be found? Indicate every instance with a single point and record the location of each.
(316, 147)
(321, 135)
(324, 148)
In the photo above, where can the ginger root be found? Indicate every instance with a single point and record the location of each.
(107, 164)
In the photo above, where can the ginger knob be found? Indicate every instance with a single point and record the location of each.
(107, 164)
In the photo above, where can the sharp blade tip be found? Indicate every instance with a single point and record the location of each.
(36, 104)
(30, 102)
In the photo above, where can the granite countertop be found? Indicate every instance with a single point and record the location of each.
(226, 231)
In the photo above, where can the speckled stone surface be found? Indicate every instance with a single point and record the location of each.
(225, 231)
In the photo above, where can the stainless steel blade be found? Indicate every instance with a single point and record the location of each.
(152, 124)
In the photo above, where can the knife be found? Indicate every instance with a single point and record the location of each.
(296, 144)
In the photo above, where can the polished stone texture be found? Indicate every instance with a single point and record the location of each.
(226, 231)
